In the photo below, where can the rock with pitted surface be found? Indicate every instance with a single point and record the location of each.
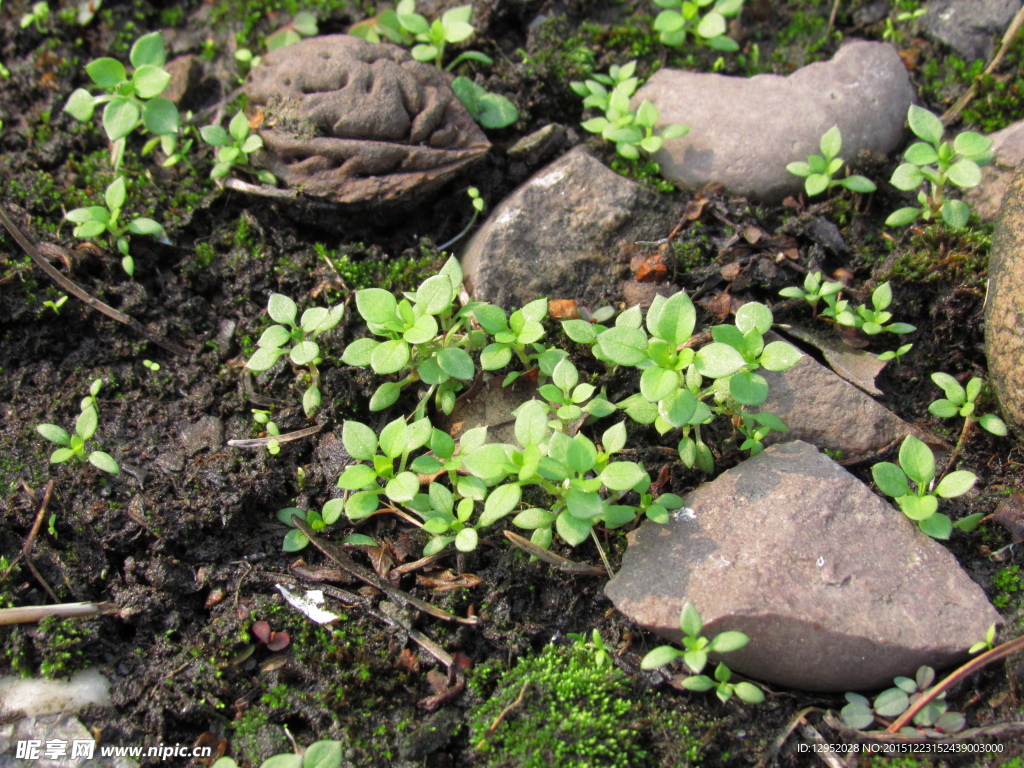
(836, 589)
(1004, 308)
(358, 122)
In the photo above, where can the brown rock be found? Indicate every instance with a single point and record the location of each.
(827, 411)
(357, 122)
(558, 234)
(1004, 309)
(836, 589)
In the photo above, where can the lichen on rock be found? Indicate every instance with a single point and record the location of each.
(357, 122)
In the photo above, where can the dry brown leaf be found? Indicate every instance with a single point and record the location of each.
(653, 269)
(719, 305)
(449, 581)
(730, 271)
(1010, 515)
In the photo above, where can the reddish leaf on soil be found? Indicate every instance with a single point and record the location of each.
(262, 631)
(278, 641)
(217, 744)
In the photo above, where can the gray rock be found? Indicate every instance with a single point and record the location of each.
(1008, 148)
(358, 122)
(208, 432)
(556, 236)
(836, 589)
(744, 131)
(1004, 309)
(969, 27)
(827, 411)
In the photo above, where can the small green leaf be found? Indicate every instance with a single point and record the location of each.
(120, 117)
(955, 484)
(717, 360)
(376, 305)
(938, 526)
(54, 434)
(86, 424)
(282, 309)
(925, 125)
(890, 479)
(359, 440)
(501, 501)
(917, 460)
(160, 116)
(106, 72)
(390, 357)
(80, 105)
(148, 50)
(661, 656)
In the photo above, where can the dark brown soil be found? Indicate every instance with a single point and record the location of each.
(185, 541)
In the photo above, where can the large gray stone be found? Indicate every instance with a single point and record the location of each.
(969, 27)
(821, 408)
(1004, 309)
(556, 236)
(836, 589)
(744, 131)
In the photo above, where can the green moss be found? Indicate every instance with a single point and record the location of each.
(360, 266)
(1000, 96)
(1008, 584)
(936, 253)
(60, 643)
(572, 713)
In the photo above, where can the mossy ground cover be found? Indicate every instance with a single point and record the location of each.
(185, 540)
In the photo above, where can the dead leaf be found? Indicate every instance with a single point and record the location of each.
(407, 660)
(854, 337)
(653, 269)
(449, 581)
(730, 271)
(695, 209)
(563, 309)
(1010, 515)
(438, 681)
(719, 305)
(752, 234)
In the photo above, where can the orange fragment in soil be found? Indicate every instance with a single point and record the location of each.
(563, 309)
(652, 270)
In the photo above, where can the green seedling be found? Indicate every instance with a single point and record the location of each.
(819, 171)
(319, 754)
(426, 339)
(601, 652)
(56, 305)
(695, 656)
(693, 19)
(303, 24)
(262, 418)
(295, 540)
(491, 110)
(962, 401)
(935, 164)
(934, 720)
(38, 16)
(632, 131)
(987, 644)
(131, 100)
(597, 92)
(570, 398)
(872, 320)
(98, 220)
(431, 38)
(814, 290)
(234, 147)
(895, 354)
(920, 502)
(151, 366)
(295, 337)
(478, 208)
(73, 446)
